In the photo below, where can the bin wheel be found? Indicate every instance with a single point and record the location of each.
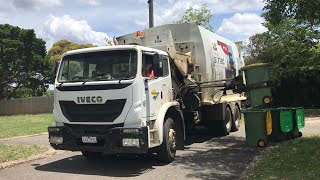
(262, 143)
(300, 134)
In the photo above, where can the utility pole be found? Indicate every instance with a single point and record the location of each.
(151, 24)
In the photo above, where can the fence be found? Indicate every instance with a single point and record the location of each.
(35, 105)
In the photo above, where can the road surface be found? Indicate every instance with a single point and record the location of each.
(204, 157)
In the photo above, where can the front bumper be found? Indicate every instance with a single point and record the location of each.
(109, 140)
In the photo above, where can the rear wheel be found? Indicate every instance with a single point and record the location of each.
(228, 121)
(167, 150)
(236, 119)
(221, 127)
(91, 155)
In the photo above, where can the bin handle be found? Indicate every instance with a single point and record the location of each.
(269, 123)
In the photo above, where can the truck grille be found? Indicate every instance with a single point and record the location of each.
(107, 112)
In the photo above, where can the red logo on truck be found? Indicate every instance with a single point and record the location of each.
(224, 47)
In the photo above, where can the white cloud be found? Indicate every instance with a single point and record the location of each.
(173, 10)
(141, 23)
(242, 25)
(35, 4)
(114, 17)
(65, 27)
(92, 2)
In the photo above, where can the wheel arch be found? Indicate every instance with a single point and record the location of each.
(168, 110)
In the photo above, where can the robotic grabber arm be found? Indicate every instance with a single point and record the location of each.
(236, 84)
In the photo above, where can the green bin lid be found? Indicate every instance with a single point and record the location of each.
(286, 120)
(252, 110)
(255, 66)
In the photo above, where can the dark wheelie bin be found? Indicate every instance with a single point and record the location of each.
(286, 123)
(282, 124)
(298, 122)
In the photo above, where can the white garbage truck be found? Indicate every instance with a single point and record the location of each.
(146, 92)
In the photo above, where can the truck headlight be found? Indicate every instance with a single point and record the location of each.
(130, 142)
(56, 140)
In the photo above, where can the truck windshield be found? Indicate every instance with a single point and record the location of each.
(98, 66)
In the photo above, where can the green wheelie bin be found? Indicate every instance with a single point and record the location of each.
(256, 96)
(257, 126)
(256, 74)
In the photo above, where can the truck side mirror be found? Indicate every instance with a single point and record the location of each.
(55, 70)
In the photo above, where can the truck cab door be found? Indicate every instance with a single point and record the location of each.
(157, 82)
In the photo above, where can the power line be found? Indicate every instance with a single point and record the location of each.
(163, 7)
(171, 12)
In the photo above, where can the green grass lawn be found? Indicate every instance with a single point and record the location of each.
(15, 152)
(296, 159)
(20, 125)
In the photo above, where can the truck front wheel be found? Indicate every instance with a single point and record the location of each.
(167, 149)
(91, 155)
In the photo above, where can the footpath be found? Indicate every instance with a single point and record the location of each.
(36, 139)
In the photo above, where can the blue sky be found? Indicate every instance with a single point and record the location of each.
(90, 21)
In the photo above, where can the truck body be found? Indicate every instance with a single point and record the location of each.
(144, 94)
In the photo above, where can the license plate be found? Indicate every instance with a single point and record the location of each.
(88, 139)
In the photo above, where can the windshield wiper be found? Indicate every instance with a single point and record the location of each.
(123, 76)
(89, 79)
(61, 84)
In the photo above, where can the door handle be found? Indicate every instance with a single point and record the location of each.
(161, 94)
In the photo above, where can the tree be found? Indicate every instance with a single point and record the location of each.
(293, 51)
(256, 50)
(201, 17)
(303, 11)
(109, 42)
(62, 46)
(23, 62)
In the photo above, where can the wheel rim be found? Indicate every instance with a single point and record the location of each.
(172, 139)
(228, 120)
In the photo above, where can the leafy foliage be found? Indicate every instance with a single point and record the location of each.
(293, 51)
(200, 16)
(62, 46)
(109, 41)
(303, 11)
(23, 62)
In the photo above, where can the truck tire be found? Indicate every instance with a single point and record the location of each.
(91, 155)
(167, 150)
(236, 119)
(227, 125)
(221, 127)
